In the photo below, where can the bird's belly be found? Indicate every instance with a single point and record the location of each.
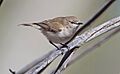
(57, 38)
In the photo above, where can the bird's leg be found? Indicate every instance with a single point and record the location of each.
(64, 45)
(54, 45)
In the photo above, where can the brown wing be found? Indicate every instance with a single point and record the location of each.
(55, 26)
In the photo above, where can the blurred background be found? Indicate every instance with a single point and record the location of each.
(21, 45)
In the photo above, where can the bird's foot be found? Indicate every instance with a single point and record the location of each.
(64, 46)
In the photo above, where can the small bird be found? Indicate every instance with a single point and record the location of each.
(58, 30)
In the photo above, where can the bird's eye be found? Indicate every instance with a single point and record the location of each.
(77, 23)
(72, 22)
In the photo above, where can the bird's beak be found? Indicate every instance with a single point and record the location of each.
(78, 23)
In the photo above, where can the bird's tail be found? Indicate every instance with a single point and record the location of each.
(38, 26)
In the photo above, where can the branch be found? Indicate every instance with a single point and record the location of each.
(1, 1)
(90, 49)
(78, 41)
(87, 51)
(41, 63)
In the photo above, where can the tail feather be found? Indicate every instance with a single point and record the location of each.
(26, 24)
(42, 25)
(36, 26)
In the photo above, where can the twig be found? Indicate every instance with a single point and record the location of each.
(95, 46)
(79, 41)
(1, 1)
(88, 50)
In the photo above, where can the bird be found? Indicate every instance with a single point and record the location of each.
(57, 30)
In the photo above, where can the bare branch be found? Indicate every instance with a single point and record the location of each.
(41, 63)
(1, 1)
(78, 41)
(98, 44)
(88, 50)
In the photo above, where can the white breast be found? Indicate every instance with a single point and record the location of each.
(62, 36)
